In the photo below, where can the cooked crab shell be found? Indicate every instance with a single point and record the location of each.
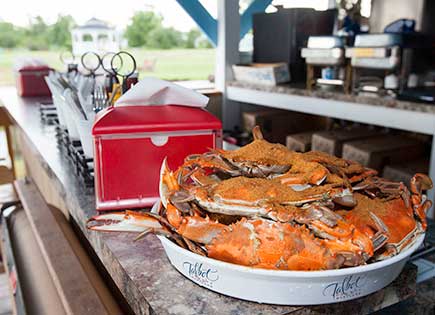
(243, 196)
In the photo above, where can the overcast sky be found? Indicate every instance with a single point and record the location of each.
(117, 12)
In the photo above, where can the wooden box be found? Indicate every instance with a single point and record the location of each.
(276, 124)
(331, 142)
(300, 142)
(403, 172)
(262, 73)
(379, 151)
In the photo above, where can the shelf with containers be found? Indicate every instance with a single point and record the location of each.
(391, 113)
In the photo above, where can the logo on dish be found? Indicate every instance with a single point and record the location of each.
(201, 274)
(350, 286)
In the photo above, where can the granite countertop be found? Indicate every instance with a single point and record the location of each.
(333, 95)
(140, 269)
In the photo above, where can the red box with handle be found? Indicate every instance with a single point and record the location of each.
(130, 143)
(30, 81)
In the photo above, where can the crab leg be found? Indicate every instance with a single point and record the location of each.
(168, 183)
(392, 189)
(340, 233)
(381, 236)
(212, 161)
(419, 183)
(366, 173)
(421, 210)
(128, 221)
(200, 178)
(306, 173)
(195, 228)
(201, 230)
(257, 134)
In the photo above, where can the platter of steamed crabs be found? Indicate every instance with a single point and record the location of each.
(267, 224)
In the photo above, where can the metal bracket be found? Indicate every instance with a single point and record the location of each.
(201, 17)
(208, 24)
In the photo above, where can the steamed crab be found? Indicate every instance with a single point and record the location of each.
(265, 206)
(272, 234)
(401, 213)
(257, 242)
(261, 159)
(265, 160)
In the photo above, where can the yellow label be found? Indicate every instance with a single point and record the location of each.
(363, 52)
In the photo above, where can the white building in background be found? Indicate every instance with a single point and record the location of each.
(95, 35)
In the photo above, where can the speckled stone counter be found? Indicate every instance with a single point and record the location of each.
(140, 269)
(331, 95)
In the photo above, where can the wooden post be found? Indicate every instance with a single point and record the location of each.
(347, 84)
(227, 54)
(310, 77)
(6, 122)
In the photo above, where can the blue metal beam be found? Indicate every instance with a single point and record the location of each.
(209, 25)
(246, 18)
(202, 17)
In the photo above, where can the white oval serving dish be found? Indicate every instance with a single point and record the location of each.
(286, 287)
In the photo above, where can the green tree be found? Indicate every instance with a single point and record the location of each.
(10, 36)
(37, 34)
(59, 33)
(192, 37)
(140, 27)
(165, 38)
(203, 43)
(37, 26)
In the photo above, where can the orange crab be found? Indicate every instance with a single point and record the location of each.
(299, 171)
(270, 236)
(258, 243)
(265, 160)
(402, 215)
(267, 244)
(267, 207)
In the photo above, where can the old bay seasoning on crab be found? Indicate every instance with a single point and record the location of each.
(130, 143)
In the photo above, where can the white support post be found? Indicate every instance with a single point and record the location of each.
(227, 54)
(332, 4)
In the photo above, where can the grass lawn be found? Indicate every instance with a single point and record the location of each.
(171, 64)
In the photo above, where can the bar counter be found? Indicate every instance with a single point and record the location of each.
(140, 269)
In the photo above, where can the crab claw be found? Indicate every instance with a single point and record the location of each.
(382, 234)
(256, 132)
(168, 183)
(421, 211)
(129, 221)
(420, 182)
(421, 205)
(344, 198)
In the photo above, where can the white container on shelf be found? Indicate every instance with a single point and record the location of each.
(55, 95)
(391, 81)
(84, 128)
(70, 117)
(59, 109)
